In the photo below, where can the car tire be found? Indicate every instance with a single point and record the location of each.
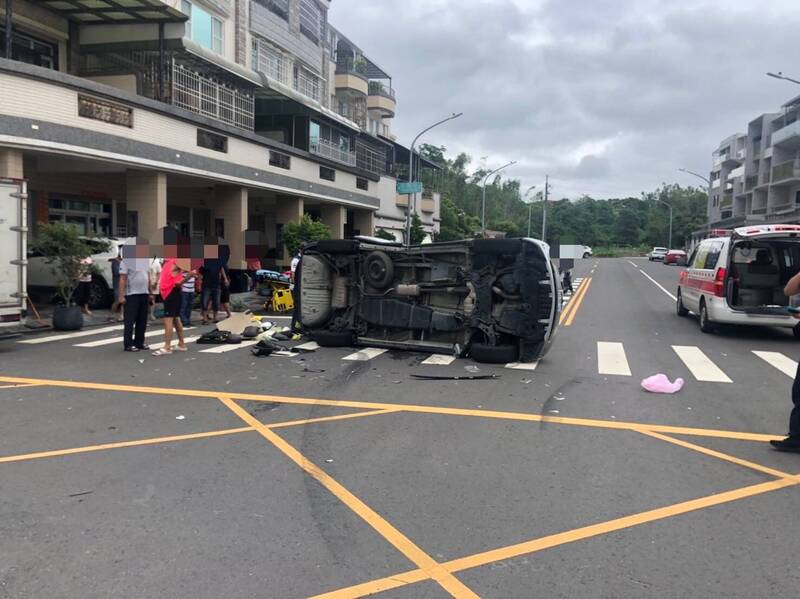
(587, 255)
(679, 307)
(379, 270)
(494, 354)
(705, 324)
(333, 338)
(99, 295)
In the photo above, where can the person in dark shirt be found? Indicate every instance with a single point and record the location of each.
(213, 276)
(792, 441)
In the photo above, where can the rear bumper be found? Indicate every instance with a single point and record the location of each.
(720, 311)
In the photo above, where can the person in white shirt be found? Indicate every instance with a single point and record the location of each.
(153, 276)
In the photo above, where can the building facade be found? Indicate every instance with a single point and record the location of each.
(755, 176)
(222, 118)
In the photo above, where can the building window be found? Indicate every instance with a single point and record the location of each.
(30, 50)
(327, 173)
(103, 110)
(307, 83)
(310, 20)
(202, 27)
(269, 61)
(279, 160)
(212, 141)
(362, 183)
(278, 7)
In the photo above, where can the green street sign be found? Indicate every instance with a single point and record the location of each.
(406, 188)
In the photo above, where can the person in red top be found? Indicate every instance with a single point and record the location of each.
(172, 278)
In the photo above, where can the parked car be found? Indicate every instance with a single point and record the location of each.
(740, 279)
(657, 253)
(43, 279)
(497, 300)
(677, 257)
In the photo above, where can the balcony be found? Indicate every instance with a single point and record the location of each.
(326, 149)
(716, 183)
(381, 98)
(352, 75)
(726, 201)
(401, 200)
(428, 204)
(788, 136)
(786, 172)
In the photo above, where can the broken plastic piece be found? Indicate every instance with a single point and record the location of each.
(659, 383)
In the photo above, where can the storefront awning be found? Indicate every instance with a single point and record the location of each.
(90, 12)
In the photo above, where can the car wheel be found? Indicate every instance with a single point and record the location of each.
(493, 354)
(587, 255)
(333, 338)
(705, 324)
(379, 269)
(99, 296)
(680, 308)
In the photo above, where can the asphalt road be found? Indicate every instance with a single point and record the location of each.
(199, 475)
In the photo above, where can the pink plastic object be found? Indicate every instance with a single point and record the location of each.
(659, 383)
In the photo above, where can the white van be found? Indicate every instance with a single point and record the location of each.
(740, 279)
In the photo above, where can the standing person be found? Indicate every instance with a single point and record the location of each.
(225, 291)
(82, 291)
(792, 441)
(295, 262)
(187, 300)
(567, 281)
(134, 297)
(154, 278)
(211, 288)
(116, 307)
(172, 279)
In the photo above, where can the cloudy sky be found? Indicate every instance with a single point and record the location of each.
(609, 97)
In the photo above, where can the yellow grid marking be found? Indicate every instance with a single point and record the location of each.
(609, 424)
(426, 563)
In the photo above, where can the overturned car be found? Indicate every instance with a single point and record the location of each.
(497, 300)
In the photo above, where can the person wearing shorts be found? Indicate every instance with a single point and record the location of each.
(172, 278)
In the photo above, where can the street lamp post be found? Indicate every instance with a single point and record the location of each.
(410, 206)
(683, 170)
(668, 205)
(780, 75)
(530, 207)
(483, 200)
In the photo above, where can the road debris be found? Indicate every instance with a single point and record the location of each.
(181, 417)
(659, 383)
(472, 368)
(433, 377)
(80, 493)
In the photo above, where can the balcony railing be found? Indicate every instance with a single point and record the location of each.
(326, 149)
(786, 133)
(376, 88)
(758, 211)
(356, 112)
(355, 67)
(726, 202)
(202, 95)
(786, 170)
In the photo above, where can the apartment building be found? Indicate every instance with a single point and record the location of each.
(755, 177)
(213, 117)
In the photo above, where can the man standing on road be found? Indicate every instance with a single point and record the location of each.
(792, 442)
(134, 294)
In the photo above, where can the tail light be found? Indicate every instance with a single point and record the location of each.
(719, 282)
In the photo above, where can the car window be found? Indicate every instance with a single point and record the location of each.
(690, 262)
(700, 256)
(714, 250)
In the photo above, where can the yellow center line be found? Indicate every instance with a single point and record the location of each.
(571, 302)
(522, 416)
(562, 538)
(579, 301)
(426, 563)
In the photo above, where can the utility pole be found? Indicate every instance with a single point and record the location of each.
(530, 207)
(544, 207)
(483, 196)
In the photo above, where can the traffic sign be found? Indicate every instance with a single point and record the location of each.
(407, 188)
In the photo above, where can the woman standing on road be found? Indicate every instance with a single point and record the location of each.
(792, 441)
(82, 291)
(172, 279)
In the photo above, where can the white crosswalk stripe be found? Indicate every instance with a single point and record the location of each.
(221, 349)
(611, 359)
(439, 360)
(700, 365)
(778, 360)
(522, 365)
(186, 340)
(75, 335)
(109, 341)
(310, 346)
(365, 354)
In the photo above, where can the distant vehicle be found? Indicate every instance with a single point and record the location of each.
(498, 300)
(42, 278)
(575, 252)
(658, 253)
(677, 257)
(13, 235)
(740, 279)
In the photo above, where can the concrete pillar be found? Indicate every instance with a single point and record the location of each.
(288, 210)
(146, 195)
(11, 163)
(335, 217)
(230, 204)
(364, 222)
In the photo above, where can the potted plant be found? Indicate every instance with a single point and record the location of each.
(63, 249)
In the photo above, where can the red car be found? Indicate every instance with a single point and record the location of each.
(677, 257)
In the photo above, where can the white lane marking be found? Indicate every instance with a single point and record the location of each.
(611, 359)
(175, 342)
(786, 365)
(221, 349)
(111, 340)
(523, 365)
(632, 264)
(365, 354)
(72, 335)
(311, 346)
(700, 365)
(439, 360)
(657, 284)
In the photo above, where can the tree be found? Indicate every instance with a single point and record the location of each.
(297, 233)
(64, 249)
(417, 230)
(384, 234)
